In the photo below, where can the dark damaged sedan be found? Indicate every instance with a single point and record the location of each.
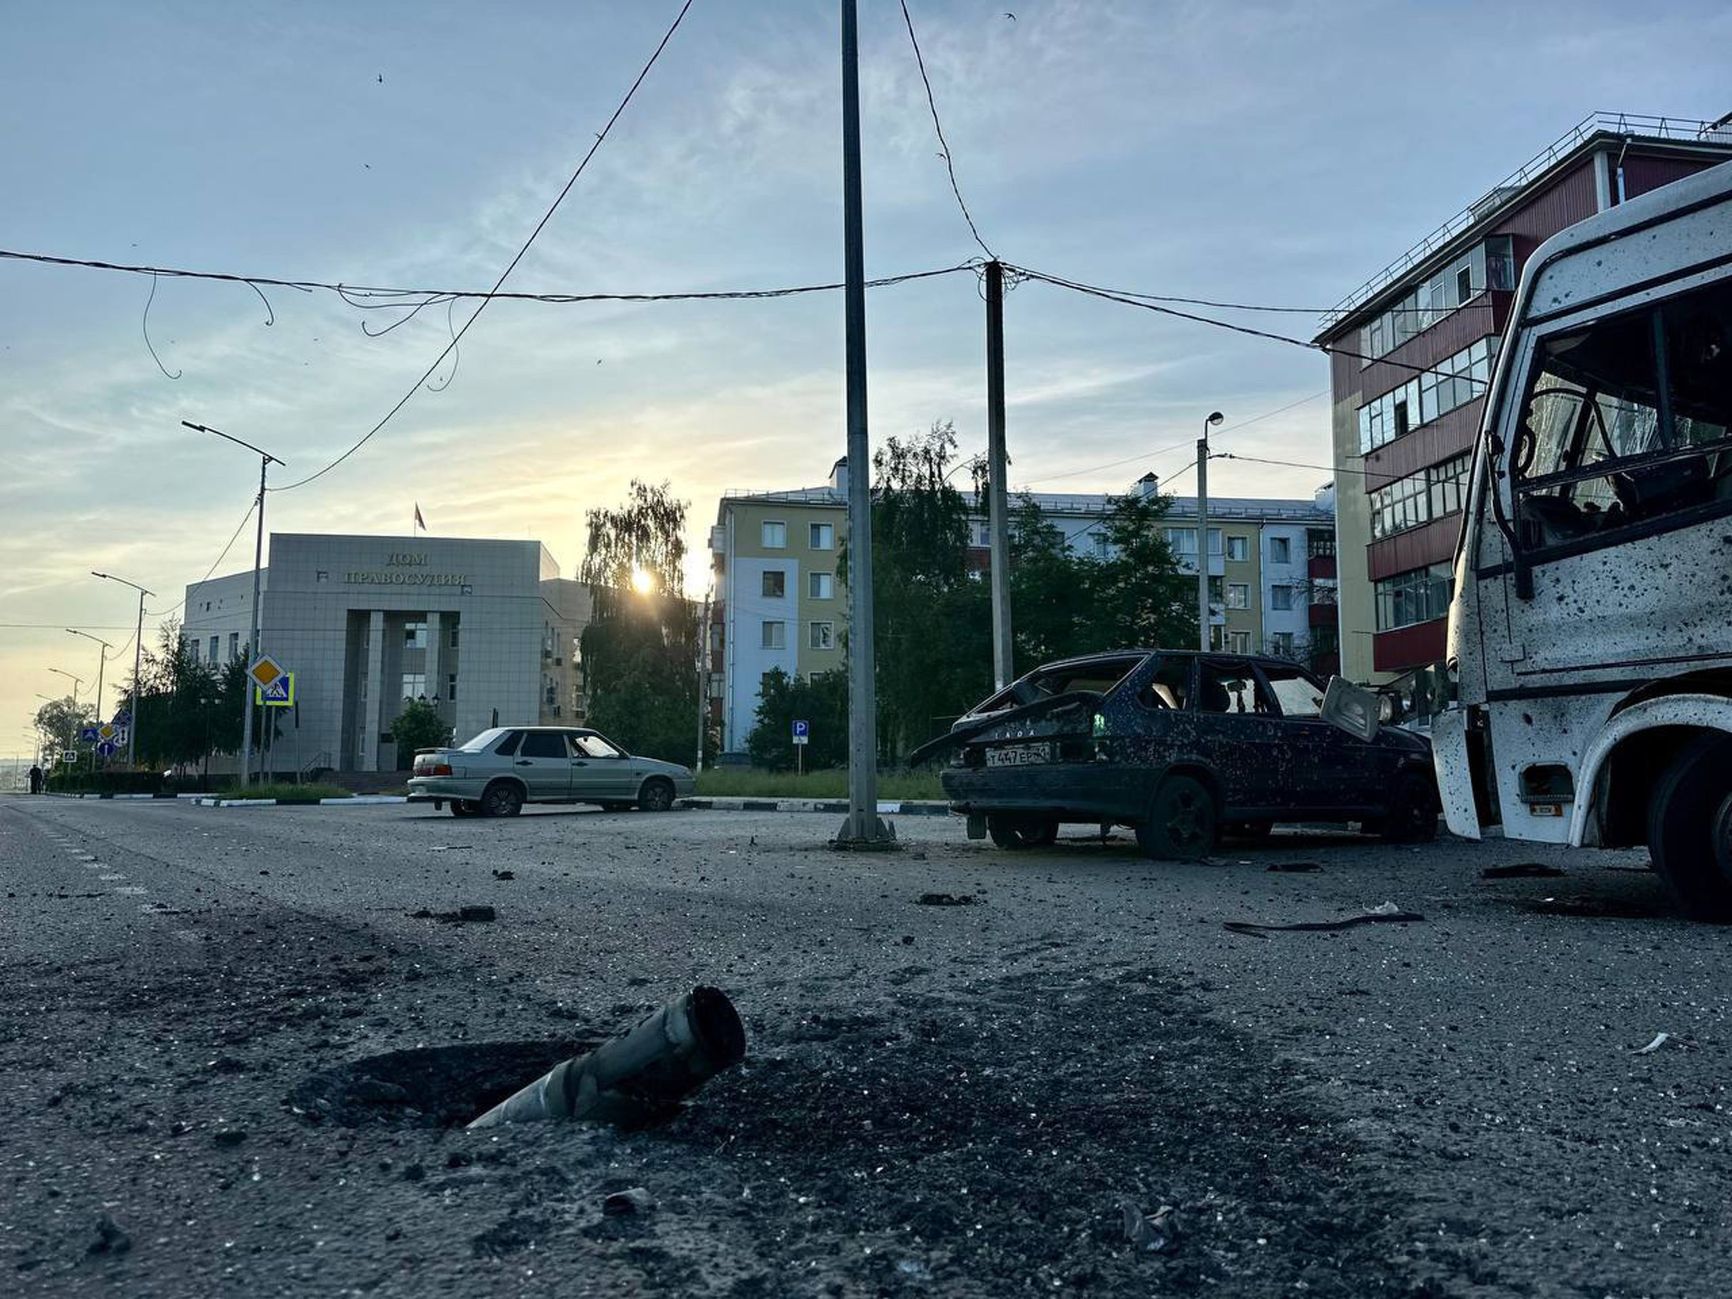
(1182, 746)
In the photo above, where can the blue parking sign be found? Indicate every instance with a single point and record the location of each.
(802, 732)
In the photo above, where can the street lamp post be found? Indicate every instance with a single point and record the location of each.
(266, 460)
(1215, 417)
(77, 682)
(101, 662)
(137, 664)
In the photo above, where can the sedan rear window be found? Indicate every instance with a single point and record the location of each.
(544, 744)
(481, 743)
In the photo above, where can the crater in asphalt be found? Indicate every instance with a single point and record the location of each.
(427, 1087)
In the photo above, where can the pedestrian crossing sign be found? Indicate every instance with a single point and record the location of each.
(279, 693)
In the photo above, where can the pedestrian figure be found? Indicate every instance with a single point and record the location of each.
(35, 779)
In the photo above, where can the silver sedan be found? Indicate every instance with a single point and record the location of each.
(501, 769)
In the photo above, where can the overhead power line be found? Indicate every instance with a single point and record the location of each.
(1130, 300)
(457, 336)
(358, 295)
(938, 128)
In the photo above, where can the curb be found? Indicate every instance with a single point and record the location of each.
(835, 806)
(359, 800)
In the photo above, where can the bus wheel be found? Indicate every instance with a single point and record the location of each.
(1690, 828)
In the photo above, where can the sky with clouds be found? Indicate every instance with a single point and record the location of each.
(1258, 152)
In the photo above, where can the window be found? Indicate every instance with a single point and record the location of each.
(1239, 642)
(507, 746)
(1182, 541)
(1296, 694)
(1230, 688)
(453, 641)
(1099, 539)
(775, 584)
(414, 685)
(415, 635)
(1280, 550)
(774, 535)
(215, 641)
(1491, 263)
(1419, 498)
(821, 636)
(1626, 423)
(191, 643)
(1238, 595)
(821, 586)
(1215, 591)
(1238, 548)
(593, 746)
(774, 635)
(1170, 687)
(1281, 597)
(823, 536)
(1419, 595)
(544, 744)
(451, 685)
(234, 645)
(1281, 644)
(1452, 382)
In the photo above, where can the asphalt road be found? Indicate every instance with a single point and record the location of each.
(954, 1100)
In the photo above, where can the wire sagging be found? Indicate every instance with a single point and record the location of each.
(938, 127)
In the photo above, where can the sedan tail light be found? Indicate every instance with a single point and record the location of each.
(434, 769)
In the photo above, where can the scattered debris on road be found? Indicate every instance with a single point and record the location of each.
(640, 1076)
(947, 899)
(1294, 867)
(1660, 1040)
(633, 1202)
(1155, 1233)
(1387, 913)
(504, 875)
(110, 1238)
(1526, 870)
(461, 916)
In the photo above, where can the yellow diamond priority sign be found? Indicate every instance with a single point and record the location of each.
(265, 670)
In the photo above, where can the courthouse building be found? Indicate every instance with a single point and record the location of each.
(485, 631)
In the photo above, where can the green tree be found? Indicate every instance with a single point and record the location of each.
(821, 700)
(639, 652)
(419, 726)
(57, 724)
(1138, 596)
(931, 619)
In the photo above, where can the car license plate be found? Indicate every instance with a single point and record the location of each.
(1018, 755)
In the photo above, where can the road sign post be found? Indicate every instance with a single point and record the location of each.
(802, 734)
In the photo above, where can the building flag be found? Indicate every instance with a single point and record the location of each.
(419, 521)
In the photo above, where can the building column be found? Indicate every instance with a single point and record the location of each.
(434, 667)
(368, 757)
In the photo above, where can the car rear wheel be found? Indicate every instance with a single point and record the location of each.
(1022, 831)
(1412, 814)
(1182, 821)
(657, 795)
(501, 798)
(1690, 829)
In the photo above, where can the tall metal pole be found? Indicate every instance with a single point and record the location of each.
(704, 679)
(137, 663)
(863, 827)
(1215, 417)
(998, 506)
(253, 649)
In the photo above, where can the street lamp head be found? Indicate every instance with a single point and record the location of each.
(1215, 417)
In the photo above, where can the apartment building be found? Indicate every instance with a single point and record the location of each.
(780, 601)
(1414, 349)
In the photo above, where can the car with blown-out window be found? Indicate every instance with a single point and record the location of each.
(1181, 746)
(503, 768)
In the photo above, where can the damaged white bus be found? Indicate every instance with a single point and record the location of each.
(1590, 630)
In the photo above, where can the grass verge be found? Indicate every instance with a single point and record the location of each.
(287, 793)
(751, 783)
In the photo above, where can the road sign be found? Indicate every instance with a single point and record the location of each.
(123, 718)
(107, 731)
(265, 670)
(88, 734)
(119, 736)
(279, 694)
(802, 732)
(106, 749)
(69, 755)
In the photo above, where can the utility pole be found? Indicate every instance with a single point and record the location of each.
(704, 677)
(137, 664)
(101, 662)
(998, 507)
(1215, 417)
(863, 829)
(266, 460)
